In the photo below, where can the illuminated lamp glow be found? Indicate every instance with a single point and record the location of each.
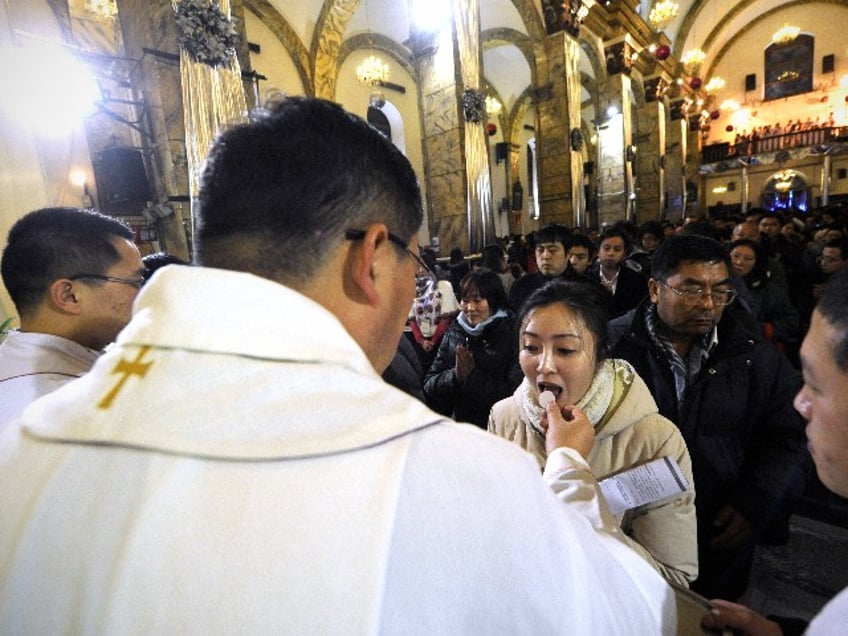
(46, 89)
(431, 15)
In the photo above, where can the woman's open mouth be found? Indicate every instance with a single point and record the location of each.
(547, 386)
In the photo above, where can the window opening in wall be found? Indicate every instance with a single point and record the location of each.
(789, 67)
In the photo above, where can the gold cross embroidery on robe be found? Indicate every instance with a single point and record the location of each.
(127, 368)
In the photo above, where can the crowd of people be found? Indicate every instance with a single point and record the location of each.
(793, 134)
(227, 457)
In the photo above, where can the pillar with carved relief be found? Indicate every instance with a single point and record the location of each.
(649, 138)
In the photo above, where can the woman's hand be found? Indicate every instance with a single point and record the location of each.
(568, 427)
(464, 362)
(742, 620)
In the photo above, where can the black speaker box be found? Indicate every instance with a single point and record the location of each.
(751, 82)
(122, 184)
(501, 151)
(588, 167)
(828, 63)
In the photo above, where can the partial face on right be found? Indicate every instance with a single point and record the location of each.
(551, 259)
(821, 401)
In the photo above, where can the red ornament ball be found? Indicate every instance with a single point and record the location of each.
(491, 129)
(662, 52)
(715, 114)
(696, 83)
(729, 128)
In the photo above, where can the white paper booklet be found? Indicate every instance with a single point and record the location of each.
(654, 481)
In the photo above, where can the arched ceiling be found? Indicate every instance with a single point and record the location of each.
(509, 29)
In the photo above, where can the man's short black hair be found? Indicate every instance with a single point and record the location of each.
(277, 194)
(684, 248)
(53, 243)
(617, 231)
(833, 307)
(553, 233)
(581, 240)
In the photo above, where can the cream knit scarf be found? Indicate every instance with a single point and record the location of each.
(608, 387)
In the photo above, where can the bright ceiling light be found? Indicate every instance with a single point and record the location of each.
(46, 89)
(785, 34)
(431, 15)
(662, 13)
(693, 59)
(373, 71)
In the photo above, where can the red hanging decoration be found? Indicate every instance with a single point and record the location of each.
(662, 52)
(696, 83)
(491, 129)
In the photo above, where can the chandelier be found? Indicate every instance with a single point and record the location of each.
(693, 59)
(493, 106)
(663, 13)
(102, 9)
(785, 34)
(373, 71)
(714, 85)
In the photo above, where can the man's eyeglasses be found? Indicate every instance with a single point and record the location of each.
(135, 282)
(358, 235)
(695, 296)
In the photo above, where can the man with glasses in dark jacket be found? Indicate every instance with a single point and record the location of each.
(730, 392)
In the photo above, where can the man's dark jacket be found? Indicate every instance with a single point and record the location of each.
(746, 440)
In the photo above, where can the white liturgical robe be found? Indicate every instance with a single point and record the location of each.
(246, 471)
(34, 364)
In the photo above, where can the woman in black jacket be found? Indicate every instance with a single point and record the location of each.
(477, 361)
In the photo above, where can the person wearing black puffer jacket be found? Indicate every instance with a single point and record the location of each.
(730, 393)
(477, 361)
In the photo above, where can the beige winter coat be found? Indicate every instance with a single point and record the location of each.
(631, 433)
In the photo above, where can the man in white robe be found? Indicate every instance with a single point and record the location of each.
(821, 401)
(235, 464)
(72, 275)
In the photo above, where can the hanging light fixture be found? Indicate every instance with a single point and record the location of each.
(785, 34)
(493, 106)
(662, 13)
(102, 9)
(373, 71)
(714, 85)
(693, 59)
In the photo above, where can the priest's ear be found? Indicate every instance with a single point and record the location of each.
(63, 295)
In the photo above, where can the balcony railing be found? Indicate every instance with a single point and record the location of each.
(753, 145)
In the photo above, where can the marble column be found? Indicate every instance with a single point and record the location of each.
(650, 160)
(455, 148)
(615, 171)
(675, 162)
(559, 140)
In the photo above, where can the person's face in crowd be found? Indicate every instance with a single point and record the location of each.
(684, 315)
(650, 242)
(557, 353)
(475, 307)
(743, 259)
(551, 258)
(108, 304)
(746, 230)
(788, 231)
(611, 252)
(831, 260)
(770, 227)
(669, 231)
(578, 256)
(821, 401)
